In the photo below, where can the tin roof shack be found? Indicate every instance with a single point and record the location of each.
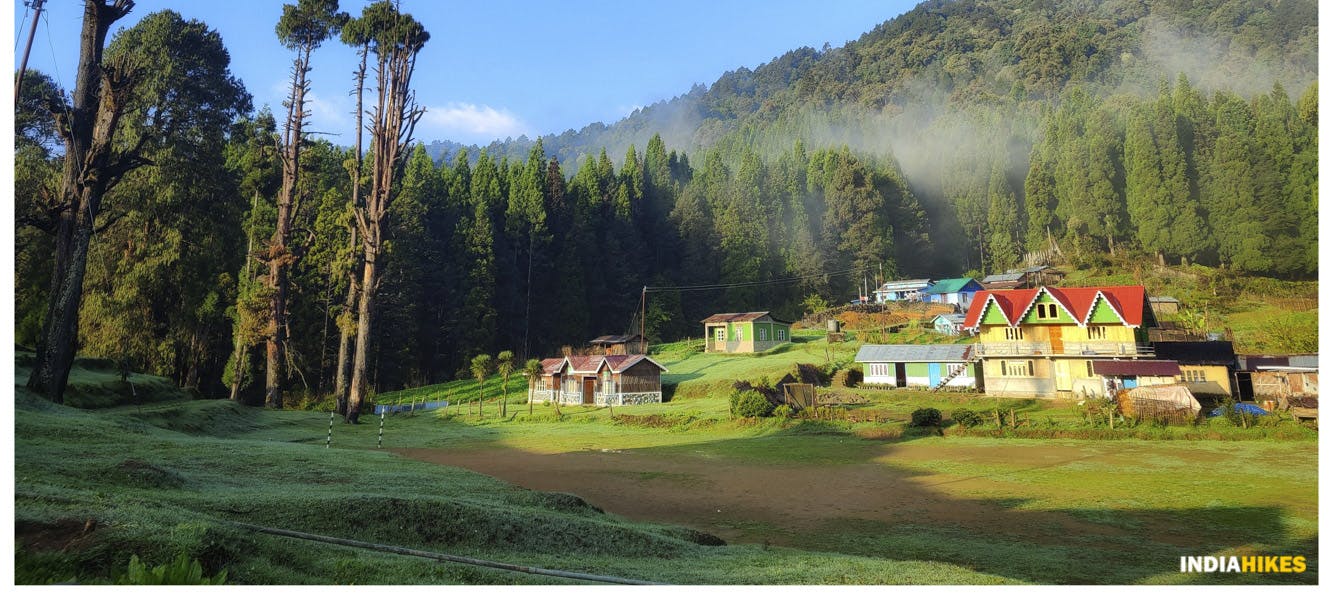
(1025, 278)
(1254, 387)
(1206, 368)
(613, 380)
(918, 365)
(1164, 305)
(1120, 375)
(744, 332)
(958, 292)
(618, 344)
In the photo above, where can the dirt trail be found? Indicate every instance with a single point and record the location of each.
(752, 503)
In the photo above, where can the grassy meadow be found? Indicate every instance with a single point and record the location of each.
(857, 498)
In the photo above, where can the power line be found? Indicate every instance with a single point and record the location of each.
(720, 286)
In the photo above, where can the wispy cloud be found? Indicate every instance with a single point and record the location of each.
(466, 122)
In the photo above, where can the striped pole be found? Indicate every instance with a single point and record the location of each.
(329, 440)
(380, 443)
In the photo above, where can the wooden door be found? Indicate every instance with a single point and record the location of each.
(588, 386)
(900, 374)
(1057, 340)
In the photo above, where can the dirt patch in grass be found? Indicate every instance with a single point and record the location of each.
(748, 503)
(59, 536)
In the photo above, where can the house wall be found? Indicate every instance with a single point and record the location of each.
(1207, 379)
(1277, 384)
(748, 336)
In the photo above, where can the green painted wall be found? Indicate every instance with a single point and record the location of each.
(993, 316)
(1062, 316)
(1102, 313)
(918, 370)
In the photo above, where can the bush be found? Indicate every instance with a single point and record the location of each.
(849, 377)
(926, 417)
(783, 412)
(965, 417)
(750, 403)
(181, 571)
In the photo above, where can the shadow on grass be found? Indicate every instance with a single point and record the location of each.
(815, 487)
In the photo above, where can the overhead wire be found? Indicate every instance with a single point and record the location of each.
(721, 286)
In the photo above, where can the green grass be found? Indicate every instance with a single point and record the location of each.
(160, 479)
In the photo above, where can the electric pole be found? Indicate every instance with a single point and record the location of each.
(27, 49)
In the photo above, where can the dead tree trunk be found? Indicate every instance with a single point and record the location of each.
(280, 257)
(395, 117)
(92, 167)
(345, 348)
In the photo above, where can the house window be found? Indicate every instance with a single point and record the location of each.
(782, 334)
(1022, 368)
(763, 335)
(1013, 333)
(1047, 310)
(737, 336)
(1193, 375)
(879, 369)
(1097, 332)
(720, 333)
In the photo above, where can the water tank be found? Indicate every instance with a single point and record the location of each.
(834, 326)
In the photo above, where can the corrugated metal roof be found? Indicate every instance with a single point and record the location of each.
(1196, 353)
(955, 318)
(740, 317)
(582, 363)
(914, 353)
(615, 339)
(949, 286)
(1003, 277)
(1136, 368)
(905, 285)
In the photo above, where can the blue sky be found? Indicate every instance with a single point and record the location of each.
(501, 68)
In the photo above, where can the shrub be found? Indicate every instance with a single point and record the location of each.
(926, 417)
(750, 403)
(181, 571)
(849, 377)
(965, 417)
(783, 412)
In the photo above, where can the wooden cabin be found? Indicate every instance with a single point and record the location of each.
(601, 380)
(609, 345)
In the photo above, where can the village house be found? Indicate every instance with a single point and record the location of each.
(949, 324)
(1206, 368)
(904, 290)
(958, 292)
(1043, 342)
(618, 344)
(744, 332)
(1129, 374)
(601, 380)
(1024, 278)
(918, 365)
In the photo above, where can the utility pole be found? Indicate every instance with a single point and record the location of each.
(643, 319)
(32, 32)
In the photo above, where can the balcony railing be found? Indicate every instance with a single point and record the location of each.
(1068, 349)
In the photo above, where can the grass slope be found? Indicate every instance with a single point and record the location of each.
(93, 487)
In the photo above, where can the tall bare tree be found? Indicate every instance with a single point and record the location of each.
(397, 39)
(92, 167)
(302, 28)
(356, 33)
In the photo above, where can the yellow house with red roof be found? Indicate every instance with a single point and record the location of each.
(1041, 343)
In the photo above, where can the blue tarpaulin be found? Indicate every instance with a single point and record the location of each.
(382, 409)
(1240, 407)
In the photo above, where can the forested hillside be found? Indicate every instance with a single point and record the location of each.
(952, 139)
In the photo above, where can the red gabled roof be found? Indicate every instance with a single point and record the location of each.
(1126, 300)
(551, 366)
(582, 363)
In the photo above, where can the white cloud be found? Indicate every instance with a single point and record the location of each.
(465, 122)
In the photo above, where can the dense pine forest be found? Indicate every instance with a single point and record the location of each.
(953, 139)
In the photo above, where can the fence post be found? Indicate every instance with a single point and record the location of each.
(329, 440)
(380, 442)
